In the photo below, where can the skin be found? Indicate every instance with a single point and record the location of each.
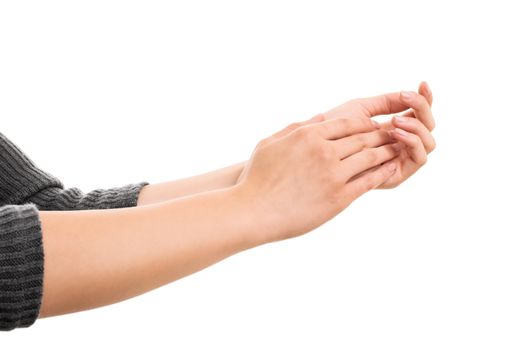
(419, 124)
(217, 179)
(417, 121)
(295, 180)
(413, 129)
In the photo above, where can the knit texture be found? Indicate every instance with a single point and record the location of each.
(21, 265)
(24, 190)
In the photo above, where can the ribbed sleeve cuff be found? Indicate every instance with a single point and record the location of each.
(21, 266)
(56, 198)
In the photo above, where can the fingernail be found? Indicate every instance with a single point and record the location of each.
(400, 119)
(376, 124)
(391, 166)
(407, 95)
(401, 132)
(396, 146)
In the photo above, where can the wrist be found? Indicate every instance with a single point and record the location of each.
(257, 221)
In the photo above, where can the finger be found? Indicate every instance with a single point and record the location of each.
(367, 159)
(370, 106)
(315, 119)
(420, 106)
(382, 104)
(415, 126)
(370, 180)
(336, 128)
(414, 145)
(346, 146)
(425, 91)
(387, 124)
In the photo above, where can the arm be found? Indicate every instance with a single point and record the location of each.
(418, 143)
(22, 181)
(294, 181)
(98, 257)
(135, 194)
(217, 179)
(292, 184)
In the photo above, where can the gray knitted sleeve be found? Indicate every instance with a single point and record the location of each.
(24, 190)
(22, 181)
(21, 266)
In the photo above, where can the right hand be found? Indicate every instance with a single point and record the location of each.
(300, 179)
(418, 123)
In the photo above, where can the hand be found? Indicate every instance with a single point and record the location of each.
(303, 178)
(317, 118)
(363, 109)
(412, 129)
(418, 122)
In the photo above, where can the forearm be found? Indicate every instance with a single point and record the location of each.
(98, 257)
(217, 179)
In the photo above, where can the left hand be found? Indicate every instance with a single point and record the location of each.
(412, 129)
(418, 141)
(416, 120)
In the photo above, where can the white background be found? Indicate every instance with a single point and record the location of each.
(105, 93)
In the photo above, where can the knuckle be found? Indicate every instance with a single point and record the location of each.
(324, 152)
(412, 139)
(414, 123)
(347, 124)
(302, 133)
(262, 142)
(366, 124)
(432, 125)
(343, 123)
(370, 156)
(420, 158)
(424, 159)
(311, 142)
(354, 125)
(362, 122)
(385, 172)
(420, 101)
(432, 145)
(293, 126)
(383, 134)
(359, 142)
(369, 183)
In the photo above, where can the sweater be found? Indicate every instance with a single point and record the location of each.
(24, 190)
